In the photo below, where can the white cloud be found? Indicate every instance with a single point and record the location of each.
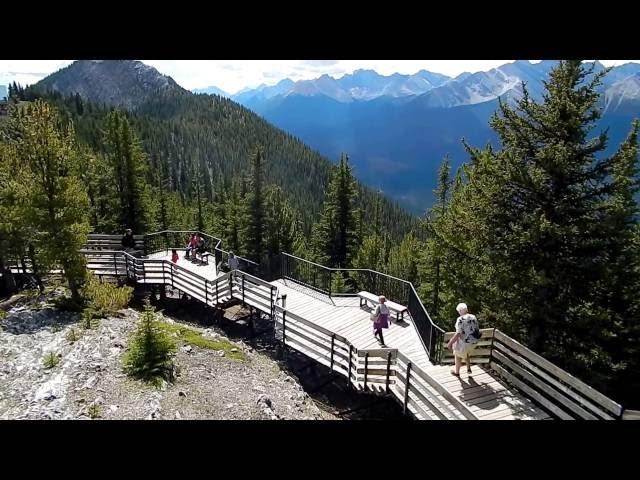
(234, 75)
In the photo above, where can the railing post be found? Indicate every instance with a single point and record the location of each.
(350, 361)
(206, 292)
(272, 303)
(406, 388)
(388, 371)
(126, 265)
(366, 369)
(284, 340)
(243, 290)
(330, 273)
(333, 339)
(172, 275)
(115, 263)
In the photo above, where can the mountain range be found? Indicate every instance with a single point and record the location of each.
(397, 128)
(198, 136)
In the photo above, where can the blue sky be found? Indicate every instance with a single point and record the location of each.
(234, 75)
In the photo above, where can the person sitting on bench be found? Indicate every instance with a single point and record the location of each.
(192, 244)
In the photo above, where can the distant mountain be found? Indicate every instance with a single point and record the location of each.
(397, 142)
(118, 83)
(211, 90)
(360, 85)
(248, 96)
(3, 92)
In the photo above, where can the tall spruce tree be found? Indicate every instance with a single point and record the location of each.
(335, 236)
(128, 162)
(253, 231)
(531, 227)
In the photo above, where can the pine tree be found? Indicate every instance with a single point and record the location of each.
(128, 162)
(334, 237)
(53, 203)
(530, 232)
(253, 235)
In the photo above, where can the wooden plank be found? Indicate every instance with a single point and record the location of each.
(568, 391)
(532, 379)
(572, 381)
(631, 415)
(531, 392)
(438, 387)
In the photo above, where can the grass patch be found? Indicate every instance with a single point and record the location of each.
(94, 410)
(105, 298)
(191, 336)
(50, 360)
(72, 335)
(3, 314)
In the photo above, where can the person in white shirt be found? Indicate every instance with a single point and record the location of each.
(465, 339)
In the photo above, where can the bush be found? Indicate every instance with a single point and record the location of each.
(150, 351)
(67, 304)
(94, 410)
(105, 298)
(89, 319)
(72, 336)
(50, 360)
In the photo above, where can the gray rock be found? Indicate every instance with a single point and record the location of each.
(234, 350)
(182, 394)
(187, 349)
(178, 416)
(265, 400)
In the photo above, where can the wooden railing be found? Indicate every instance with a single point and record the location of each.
(375, 370)
(554, 389)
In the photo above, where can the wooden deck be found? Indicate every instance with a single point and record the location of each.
(487, 397)
(343, 315)
(206, 271)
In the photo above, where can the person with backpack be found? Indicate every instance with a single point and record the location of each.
(465, 339)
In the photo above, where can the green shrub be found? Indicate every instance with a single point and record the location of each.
(89, 318)
(72, 336)
(150, 351)
(50, 360)
(105, 298)
(94, 410)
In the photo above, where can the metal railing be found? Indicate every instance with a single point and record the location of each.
(350, 281)
(178, 239)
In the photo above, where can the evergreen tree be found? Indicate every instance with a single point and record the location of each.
(128, 162)
(253, 235)
(52, 202)
(535, 231)
(335, 237)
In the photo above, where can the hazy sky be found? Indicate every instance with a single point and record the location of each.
(234, 75)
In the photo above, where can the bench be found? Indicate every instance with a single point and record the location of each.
(204, 256)
(393, 306)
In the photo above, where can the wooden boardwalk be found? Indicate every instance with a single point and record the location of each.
(344, 316)
(508, 381)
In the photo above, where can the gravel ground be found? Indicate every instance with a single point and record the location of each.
(89, 382)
